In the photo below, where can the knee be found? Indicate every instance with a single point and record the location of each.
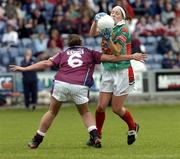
(83, 112)
(118, 110)
(100, 108)
(53, 112)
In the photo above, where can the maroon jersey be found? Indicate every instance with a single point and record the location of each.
(76, 65)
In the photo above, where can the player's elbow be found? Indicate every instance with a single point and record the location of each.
(92, 34)
(47, 63)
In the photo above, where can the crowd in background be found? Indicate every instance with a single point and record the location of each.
(42, 25)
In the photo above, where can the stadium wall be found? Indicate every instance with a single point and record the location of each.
(159, 85)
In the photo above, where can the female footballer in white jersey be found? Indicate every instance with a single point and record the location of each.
(74, 78)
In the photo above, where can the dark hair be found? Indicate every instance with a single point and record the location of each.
(74, 40)
(128, 17)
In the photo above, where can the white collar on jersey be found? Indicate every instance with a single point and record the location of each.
(121, 22)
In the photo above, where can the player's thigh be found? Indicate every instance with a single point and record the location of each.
(82, 108)
(104, 100)
(118, 100)
(118, 103)
(55, 105)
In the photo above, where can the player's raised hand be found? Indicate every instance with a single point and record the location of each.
(99, 15)
(16, 68)
(139, 56)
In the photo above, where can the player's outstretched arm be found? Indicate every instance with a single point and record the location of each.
(37, 66)
(93, 30)
(113, 58)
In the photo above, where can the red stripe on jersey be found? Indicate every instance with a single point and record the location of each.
(128, 49)
(122, 38)
(125, 29)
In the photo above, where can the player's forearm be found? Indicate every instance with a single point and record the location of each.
(122, 58)
(38, 66)
(93, 29)
(114, 58)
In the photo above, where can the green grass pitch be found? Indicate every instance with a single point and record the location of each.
(158, 138)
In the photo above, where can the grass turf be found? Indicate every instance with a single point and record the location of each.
(158, 137)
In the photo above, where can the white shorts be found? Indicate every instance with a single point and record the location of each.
(62, 90)
(116, 82)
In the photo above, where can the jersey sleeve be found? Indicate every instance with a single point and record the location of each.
(56, 59)
(96, 56)
(122, 36)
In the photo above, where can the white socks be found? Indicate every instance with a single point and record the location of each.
(91, 128)
(41, 133)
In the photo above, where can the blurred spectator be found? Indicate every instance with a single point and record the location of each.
(148, 8)
(92, 4)
(149, 26)
(177, 61)
(53, 49)
(175, 41)
(54, 34)
(144, 26)
(177, 19)
(10, 9)
(26, 30)
(57, 22)
(73, 12)
(85, 24)
(159, 28)
(103, 6)
(29, 81)
(85, 7)
(172, 27)
(168, 13)
(73, 17)
(64, 4)
(47, 9)
(138, 7)
(164, 45)
(10, 38)
(20, 13)
(2, 11)
(168, 61)
(39, 21)
(40, 43)
(177, 9)
(159, 6)
(58, 10)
